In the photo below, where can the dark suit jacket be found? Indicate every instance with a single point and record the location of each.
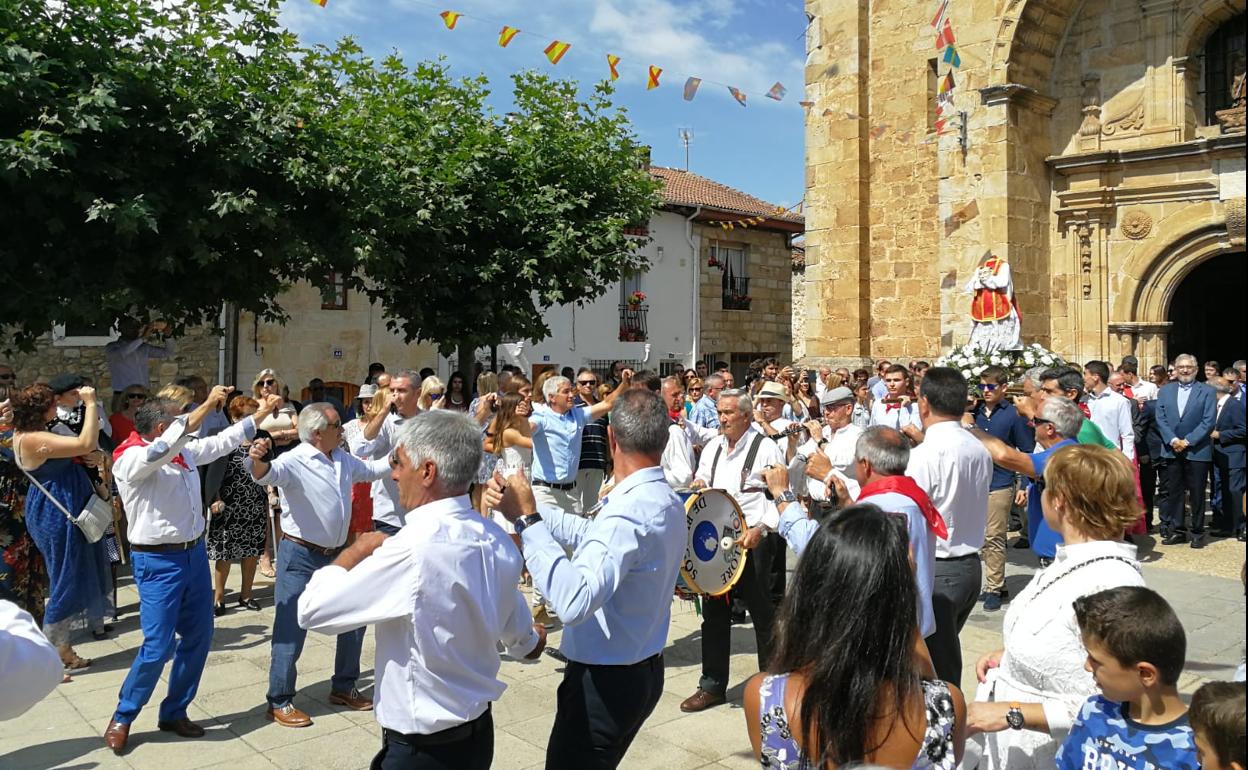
(1149, 442)
(1194, 425)
(1231, 434)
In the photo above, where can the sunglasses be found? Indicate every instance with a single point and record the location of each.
(587, 382)
(268, 383)
(1041, 421)
(988, 386)
(136, 396)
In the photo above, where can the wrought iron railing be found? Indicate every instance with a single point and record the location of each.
(736, 293)
(633, 322)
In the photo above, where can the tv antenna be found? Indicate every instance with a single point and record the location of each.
(686, 138)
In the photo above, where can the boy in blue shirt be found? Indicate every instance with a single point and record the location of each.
(1136, 647)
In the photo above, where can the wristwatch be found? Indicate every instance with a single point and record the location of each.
(786, 497)
(524, 522)
(1014, 717)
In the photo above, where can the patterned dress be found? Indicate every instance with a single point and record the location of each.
(23, 577)
(781, 752)
(237, 532)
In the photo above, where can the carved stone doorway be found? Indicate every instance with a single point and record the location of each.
(1206, 311)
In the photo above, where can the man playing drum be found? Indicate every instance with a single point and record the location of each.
(726, 463)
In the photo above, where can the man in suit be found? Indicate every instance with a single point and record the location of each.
(1228, 457)
(1186, 410)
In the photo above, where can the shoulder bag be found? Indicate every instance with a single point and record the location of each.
(94, 518)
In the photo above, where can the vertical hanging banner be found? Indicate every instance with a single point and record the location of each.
(505, 36)
(652, 79)
(777, 92)
(556, 50)
(691, 88)
(449, 18)
(613, 61)
(737, 94)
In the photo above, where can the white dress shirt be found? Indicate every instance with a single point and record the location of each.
(955, 471)
(30, 666)
(385, 490)
(1112, 414)
(127, 361)
(754, 505)
(162, 498)
(678, 460)
(316, 491)
(450, 596)
(839, 450)
(898, 417)
(1144, 390)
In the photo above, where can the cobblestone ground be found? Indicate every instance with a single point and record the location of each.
(64, 731)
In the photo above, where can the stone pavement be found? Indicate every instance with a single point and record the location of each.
(64, 731)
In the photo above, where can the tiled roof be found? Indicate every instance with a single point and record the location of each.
(799, 257)
(683, 188)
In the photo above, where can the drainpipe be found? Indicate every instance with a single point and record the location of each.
(696, 268)
(221, 342)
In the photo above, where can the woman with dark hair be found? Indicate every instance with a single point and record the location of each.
(850, 681)
(78, 571)
(457, 395)
(237, 508)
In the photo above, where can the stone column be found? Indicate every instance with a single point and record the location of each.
(1146, 340)
(1089, 249)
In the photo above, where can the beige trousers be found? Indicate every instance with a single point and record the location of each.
(993, 552)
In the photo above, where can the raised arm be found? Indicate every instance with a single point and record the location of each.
(44, 445)
(1005, 455)
(601, 408)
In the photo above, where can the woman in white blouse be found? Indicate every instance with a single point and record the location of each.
(1031, 690)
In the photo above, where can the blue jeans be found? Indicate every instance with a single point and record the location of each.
(295, 565)
(175, 596)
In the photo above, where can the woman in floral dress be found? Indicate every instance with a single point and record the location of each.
(238, 515)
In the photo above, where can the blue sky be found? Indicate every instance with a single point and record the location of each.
(749, 44)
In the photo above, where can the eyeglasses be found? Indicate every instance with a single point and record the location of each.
(136, 396)
(1041, 421)
(587, 382)
(333, 425)
(988, 386)
(268, 383)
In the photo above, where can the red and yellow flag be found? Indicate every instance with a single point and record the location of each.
(556, 50)
(505, 35)
(652, 80)
(612, 62)
(450, 18)
(320, 2)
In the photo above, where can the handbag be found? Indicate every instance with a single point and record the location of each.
(94, 518)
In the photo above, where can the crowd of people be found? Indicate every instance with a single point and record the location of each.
(424, 508)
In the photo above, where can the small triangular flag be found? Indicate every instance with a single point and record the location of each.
(320, 2)
(777, 92)
(505, 35)
(612, 61)
(737, 94)
(450, 18)
(555, 51)
(691, 88)
(652, 79)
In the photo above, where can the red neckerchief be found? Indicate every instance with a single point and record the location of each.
(1087, 412)
(904, 485)
(888, 407)
(133, 440)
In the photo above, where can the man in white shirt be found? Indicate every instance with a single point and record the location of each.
(450, 574)
(955, 471)
(314, 480)
(726, 463)
(1110, 411)
(30, 666)
(156, 475)
(897, 408)
(833, 452)
(1141, 389)
(127, 356)
(678, 459)
(377, 440)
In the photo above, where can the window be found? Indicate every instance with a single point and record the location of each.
(82, 335)
(334, 292)
(630, 283)
(1223, 63)
(732, 258)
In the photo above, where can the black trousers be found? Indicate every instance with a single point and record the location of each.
(600, 709)
(469, 746)
(955, 588)
(384, 528)
(1231, 516)
(755, 588)
(1184, 475)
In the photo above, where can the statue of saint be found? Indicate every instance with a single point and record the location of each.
(993, 309)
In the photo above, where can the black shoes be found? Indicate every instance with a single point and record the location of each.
(1174, 538)
(250, 604)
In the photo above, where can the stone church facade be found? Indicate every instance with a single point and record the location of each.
(1097, 145)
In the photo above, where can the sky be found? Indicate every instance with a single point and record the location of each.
(749, 44)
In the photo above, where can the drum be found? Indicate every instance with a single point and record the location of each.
(713, 560)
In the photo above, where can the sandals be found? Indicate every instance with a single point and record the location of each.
(72, 662)
(266, 568)
(249, 604)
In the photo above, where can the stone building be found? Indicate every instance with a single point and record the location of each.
(1096, 145)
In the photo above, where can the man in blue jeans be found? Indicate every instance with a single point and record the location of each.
(159, 485)
(314, 480)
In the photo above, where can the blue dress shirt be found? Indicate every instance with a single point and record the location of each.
(1185, 391)
(614, 594)
(705, 413)
(1044, 541)
(557, 443)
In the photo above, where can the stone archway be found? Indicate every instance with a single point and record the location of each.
(1206, 310)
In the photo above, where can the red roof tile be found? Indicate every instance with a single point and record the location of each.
(683, 188)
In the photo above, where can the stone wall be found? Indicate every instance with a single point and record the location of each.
(766, 327)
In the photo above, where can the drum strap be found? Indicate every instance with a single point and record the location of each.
(749, 459)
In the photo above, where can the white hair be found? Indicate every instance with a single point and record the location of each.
(448, 439)
(313, 419)
(745, 405)
(552, 386)
(1066, 417)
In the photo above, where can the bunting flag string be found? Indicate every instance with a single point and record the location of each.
(505, 35)
(945, 36)
(737, 94)
(691, 88)
(612, 62)
(746, 222)
(652, 79)
(951, 56)
(556, 50)
(450, 18)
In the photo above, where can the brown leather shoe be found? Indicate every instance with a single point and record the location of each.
(183, 727)
(288, 716)
(701, 701)
(352, 700)
(116, 735)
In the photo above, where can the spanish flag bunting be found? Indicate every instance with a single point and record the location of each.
(321, 2)
(505, 35)
(945, 37)
(951, 56)
(556, 50)
(612, 62)
(450, 18)
(737, 94)
(652, 79)
(941, 10)
(777, 92)
(691, 88)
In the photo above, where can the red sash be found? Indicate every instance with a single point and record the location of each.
(133, 440)
(904, 485)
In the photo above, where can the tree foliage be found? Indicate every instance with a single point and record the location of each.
(173, 157)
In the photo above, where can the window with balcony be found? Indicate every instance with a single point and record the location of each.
(633, 309)
(334, 292)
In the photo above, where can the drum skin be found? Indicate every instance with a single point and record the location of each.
(713, 560)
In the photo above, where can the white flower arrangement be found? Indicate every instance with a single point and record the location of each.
(972, 361)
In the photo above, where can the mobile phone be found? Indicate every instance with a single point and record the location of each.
(811, 378)
(269, 455)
